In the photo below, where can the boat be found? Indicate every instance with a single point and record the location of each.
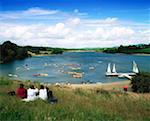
(42, 74)
(114, 69)
(135, 68)
(12, 75)
(122, 75)
(78, 68)
(91, 68)
(36, 74)
(77, 75)
(108, 72)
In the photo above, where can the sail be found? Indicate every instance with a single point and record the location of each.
(114, 68)
(108, 68)
(135, 67)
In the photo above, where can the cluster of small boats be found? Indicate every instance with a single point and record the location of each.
(75, 74)
(75, 70)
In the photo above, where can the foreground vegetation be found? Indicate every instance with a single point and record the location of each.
(74, 105)
(141, 82)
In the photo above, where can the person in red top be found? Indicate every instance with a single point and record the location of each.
(21, 92)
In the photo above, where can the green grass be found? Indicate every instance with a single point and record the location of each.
(146, 50)
(74, 105)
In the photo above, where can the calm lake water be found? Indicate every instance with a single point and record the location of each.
(92, 64)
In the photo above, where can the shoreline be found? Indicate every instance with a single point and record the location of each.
(106, 86)
(82, 51)
(141, 54)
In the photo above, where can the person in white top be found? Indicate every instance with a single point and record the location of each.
(43, 93)
(31, 94)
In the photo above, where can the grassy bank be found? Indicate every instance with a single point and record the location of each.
(74, 105)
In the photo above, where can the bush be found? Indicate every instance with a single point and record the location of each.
(57, 51)
(141, 83)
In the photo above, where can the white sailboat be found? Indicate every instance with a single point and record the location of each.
(114, 69)
(108, 69)
(122, 75)
(135, 68)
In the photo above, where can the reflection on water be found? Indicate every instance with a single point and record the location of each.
(60, 68)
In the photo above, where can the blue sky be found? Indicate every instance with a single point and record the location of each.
(75, 23)
(125, 9)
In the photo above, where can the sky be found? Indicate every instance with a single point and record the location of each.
(75, 23)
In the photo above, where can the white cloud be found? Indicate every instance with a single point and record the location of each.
(64, 35)
(102, 22)
(39, 11)
(73, 22)
(31, 13)
(71, 31)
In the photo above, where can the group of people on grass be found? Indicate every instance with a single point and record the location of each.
(33, 93)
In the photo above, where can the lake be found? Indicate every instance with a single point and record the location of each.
(91, 64)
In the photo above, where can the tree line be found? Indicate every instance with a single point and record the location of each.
(131, 49)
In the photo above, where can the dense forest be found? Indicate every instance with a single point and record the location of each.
(131, 49)
(10, 51)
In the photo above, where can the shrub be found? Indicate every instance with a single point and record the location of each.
(141, 83)
(57, 51)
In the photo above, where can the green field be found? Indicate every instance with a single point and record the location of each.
(74, 105)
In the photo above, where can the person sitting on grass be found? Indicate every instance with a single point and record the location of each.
(31, 94)
(21, 92)
(51, 98)
(43, 93)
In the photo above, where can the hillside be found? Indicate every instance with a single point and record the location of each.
(10, 51)
(78, 104)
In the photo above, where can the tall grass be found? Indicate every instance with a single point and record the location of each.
(75, 105)
(5, 81)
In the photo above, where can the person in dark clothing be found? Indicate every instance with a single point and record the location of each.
(21, 92)
(51, 98)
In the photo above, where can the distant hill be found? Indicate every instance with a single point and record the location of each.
(44, 50)
(131, 49)
(10, 51)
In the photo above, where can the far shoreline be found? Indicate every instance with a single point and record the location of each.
(82, 51)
